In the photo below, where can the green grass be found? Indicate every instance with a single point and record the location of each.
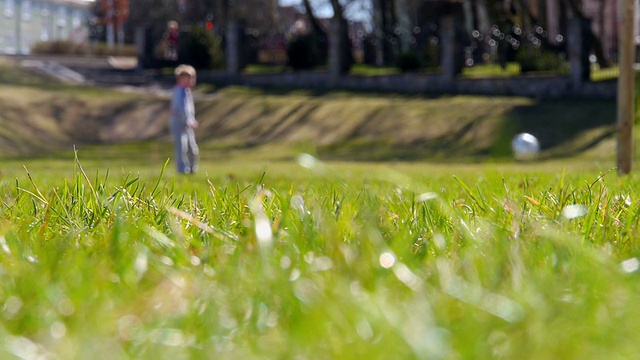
(513, 69)
(264, 254)
(264, 258)
(600, 74)
(357, 69)
(491, 70)
(265, 69)
(370, 70)
(477, 71)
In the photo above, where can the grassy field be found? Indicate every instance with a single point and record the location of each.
(105, 257)
(40, 116)
(287, 249)
(477, 71)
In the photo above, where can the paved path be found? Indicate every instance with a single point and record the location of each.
(54, 69)
(116, 73)
(103, 71)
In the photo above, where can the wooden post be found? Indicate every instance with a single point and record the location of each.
(233, 48)
(626, 88)
(448, 48)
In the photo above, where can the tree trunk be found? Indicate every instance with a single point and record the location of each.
(388, 44)
(563, 17)
(392, 23)
(225, 10)
(484, 21)
(378, 26)
(404, 25)
(275, 16)
(315, 25)
(598, 43)
(576, 7)
(542, 14)
(340, 51)
(317, 51)
(469, 23)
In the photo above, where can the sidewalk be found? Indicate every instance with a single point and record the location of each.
(56, 71)
(103, 71)
(116, 73)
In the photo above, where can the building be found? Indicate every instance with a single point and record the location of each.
(26, 22)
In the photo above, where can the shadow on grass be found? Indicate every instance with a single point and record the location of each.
(563, 127)
(343, 125)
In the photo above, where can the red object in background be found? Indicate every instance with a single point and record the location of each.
(121, 9)
(118, 14)
(209, 25)
(173, 37)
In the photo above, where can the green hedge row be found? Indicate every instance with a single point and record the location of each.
(66, 47)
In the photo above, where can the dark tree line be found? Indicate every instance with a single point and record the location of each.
(393, 22)
(482, 16)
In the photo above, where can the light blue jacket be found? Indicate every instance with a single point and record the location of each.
(182, 110)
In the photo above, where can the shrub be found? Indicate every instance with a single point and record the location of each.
(535, 60)
(102, 49)
(430, 53)
(306, 52)
(66, 47)
(409, 62)
(201, 49)
(60, 47)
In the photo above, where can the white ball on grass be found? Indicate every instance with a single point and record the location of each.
(525, 146)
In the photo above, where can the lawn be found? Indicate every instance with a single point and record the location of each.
(106, 256)
(285, 248)
(476, 71)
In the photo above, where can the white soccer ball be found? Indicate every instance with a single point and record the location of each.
(525, 146)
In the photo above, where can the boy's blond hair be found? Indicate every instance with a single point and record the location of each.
(185, 70)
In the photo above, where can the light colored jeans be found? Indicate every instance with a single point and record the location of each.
(186, 150)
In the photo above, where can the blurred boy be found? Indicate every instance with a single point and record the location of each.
(183, 120)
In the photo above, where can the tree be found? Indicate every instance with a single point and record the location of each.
(576, 7)
(258, 15)
(384, 19)
(340, 43)
(153, 15)
(308, 50)
(114, 15)
(313, 21)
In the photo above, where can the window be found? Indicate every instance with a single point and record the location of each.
(62, 17)
(26, 10)
(44, 33)
(9, 7)
(9, 44)
(77, 19)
